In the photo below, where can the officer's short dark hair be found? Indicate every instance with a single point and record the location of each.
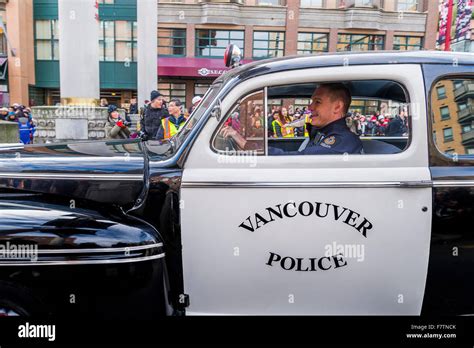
(176, 101)
(338, 91)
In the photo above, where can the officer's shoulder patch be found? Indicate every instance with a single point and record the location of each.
(330, 140)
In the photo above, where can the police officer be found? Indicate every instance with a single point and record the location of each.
(172, 124)
(329, 134)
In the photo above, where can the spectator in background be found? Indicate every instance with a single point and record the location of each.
(26, 127)
(278, 126)
(133, 109)
(155, 112)
(104, 103)
(196, 100)
(173, 123)
(4, 114)
(398, 125)
(287, 117)
(116, 127)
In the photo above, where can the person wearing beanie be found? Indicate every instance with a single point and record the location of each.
(116, 127)
(154, 113)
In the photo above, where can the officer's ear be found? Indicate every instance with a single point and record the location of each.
(338, 107)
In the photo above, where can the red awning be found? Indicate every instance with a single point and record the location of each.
(191, 67)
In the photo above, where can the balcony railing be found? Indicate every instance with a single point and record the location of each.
(465, 90)
(466, 114)
(468, 137)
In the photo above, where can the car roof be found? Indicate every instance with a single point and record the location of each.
(266, 66)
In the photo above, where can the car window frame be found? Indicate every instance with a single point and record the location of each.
(457, 159)
(265, 98)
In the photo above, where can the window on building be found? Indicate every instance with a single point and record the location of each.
(47, 39)
(172, 90)
(407, 5)
(212, 43)
(407, 43)
(171, 42)
(312, 43)
(271, 2)
(448, 134)
(311, 3)
(106, 2)
(358, 42)
(268, 44)
(444, 112)
(363, 3)
(118, 41)
(3, 44)
(441, 92)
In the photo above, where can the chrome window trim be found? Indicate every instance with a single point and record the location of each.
(99, 250)
(332, 184)
(73, 176)
(82, 262)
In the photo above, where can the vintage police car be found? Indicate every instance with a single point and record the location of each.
(198, 225)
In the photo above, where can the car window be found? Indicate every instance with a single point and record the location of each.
(377, 121)
(452, 116)
(378, 116)
(246, 122)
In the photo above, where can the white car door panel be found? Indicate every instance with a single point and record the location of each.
(266, 237)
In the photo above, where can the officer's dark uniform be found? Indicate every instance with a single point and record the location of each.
(333, 139)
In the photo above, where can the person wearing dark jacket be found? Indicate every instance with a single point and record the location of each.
(397, 126)
(154, 113)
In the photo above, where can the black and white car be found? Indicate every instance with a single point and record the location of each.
(195, 225)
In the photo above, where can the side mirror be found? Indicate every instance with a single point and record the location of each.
(216, 110)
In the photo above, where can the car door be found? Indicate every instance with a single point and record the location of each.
(321, 234)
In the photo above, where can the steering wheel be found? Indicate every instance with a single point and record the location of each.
(226, 144)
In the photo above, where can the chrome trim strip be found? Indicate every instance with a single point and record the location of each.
(73, 176)
(98, 250)
(83, 262)
(453, 183)
(342, 184)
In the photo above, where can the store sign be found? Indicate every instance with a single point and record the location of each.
(206, 71)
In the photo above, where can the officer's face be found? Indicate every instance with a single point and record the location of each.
(323, 109)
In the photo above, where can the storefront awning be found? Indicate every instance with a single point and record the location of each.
(191, 67)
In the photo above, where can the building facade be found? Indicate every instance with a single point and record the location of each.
(193, 34)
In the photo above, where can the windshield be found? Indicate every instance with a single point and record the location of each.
(197, 114)
(164, 149)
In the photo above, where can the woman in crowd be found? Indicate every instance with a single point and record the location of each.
(115, 127)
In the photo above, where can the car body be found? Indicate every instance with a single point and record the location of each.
(193, 226)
